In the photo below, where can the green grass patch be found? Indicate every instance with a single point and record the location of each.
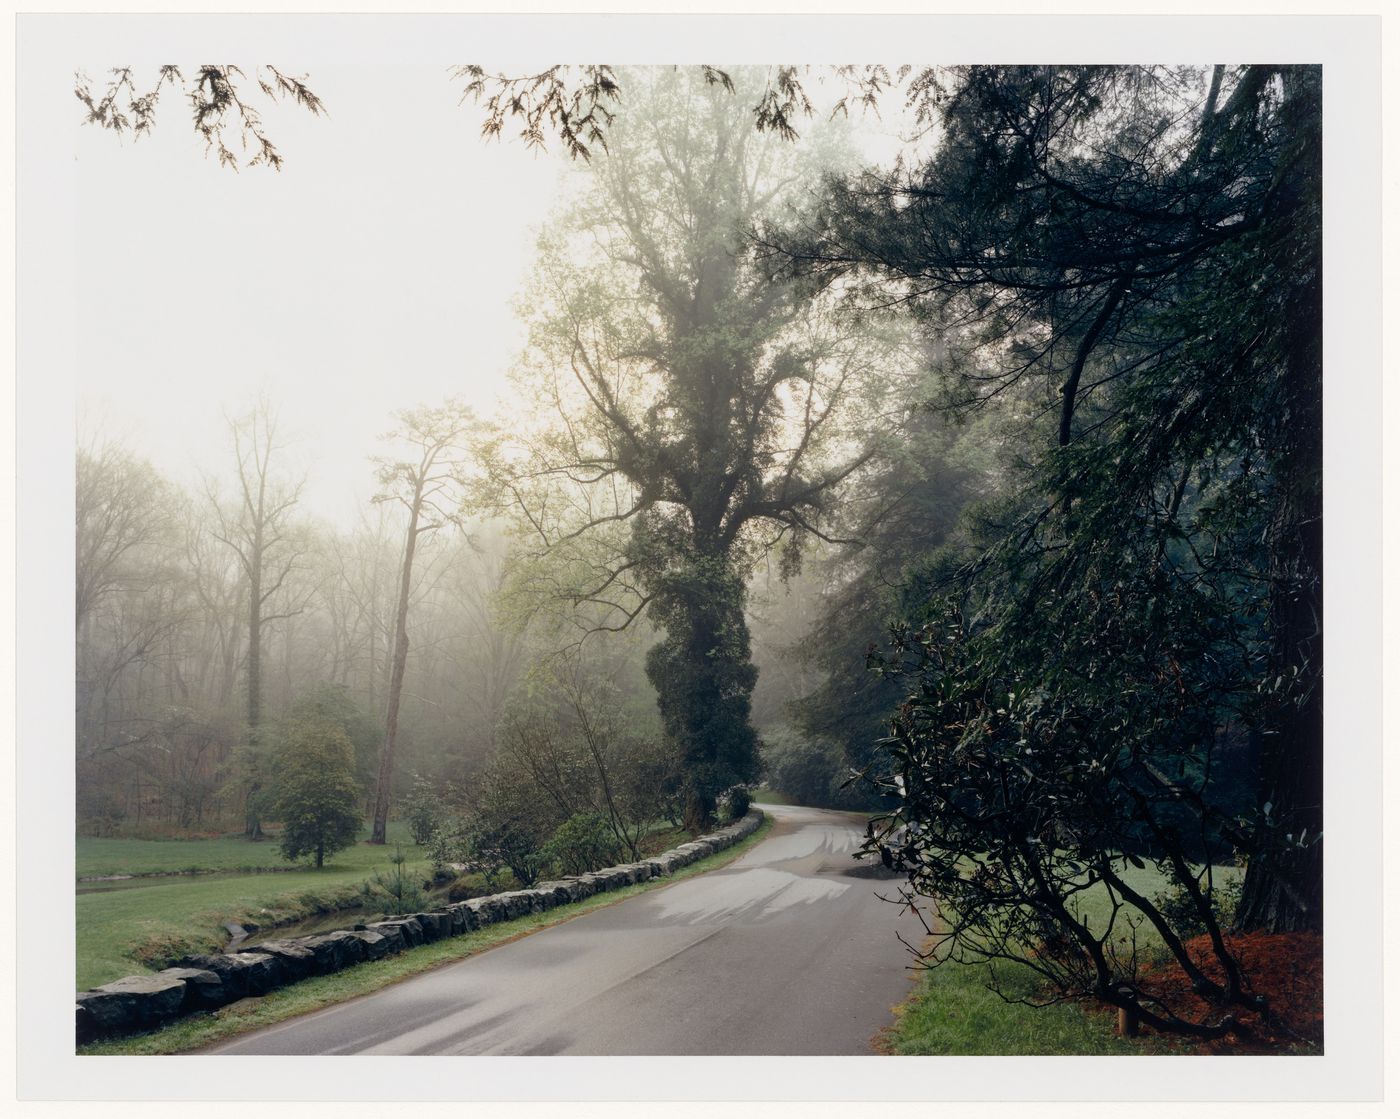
(765, 795)
(241, 1017)
(228, 853)
(953, 1011)
(137, 928)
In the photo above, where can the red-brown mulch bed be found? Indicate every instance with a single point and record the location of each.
(1284, 967)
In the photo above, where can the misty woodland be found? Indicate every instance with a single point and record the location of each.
(973, 495)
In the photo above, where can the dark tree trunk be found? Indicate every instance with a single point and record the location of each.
(704, 677)
(699, 811)
(1283, 885)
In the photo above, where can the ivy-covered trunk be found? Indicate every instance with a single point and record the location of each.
(704, 679)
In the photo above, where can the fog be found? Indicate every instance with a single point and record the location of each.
(375, 272)
(727, 459)
(379, 270)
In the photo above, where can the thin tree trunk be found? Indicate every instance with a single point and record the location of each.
(391, 722)
(252, 825)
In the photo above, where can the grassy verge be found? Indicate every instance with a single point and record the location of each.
(313, 994)
(952, 1011)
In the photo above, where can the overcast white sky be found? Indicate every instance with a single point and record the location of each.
(375, 272)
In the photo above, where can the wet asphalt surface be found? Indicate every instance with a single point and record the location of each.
(790, 950)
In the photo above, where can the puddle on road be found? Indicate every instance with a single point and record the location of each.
(804, 891)
(725, 896)
(868, 868)
(801, 844)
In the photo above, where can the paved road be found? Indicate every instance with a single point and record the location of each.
(786, 951)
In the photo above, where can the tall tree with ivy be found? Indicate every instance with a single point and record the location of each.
(694, 413)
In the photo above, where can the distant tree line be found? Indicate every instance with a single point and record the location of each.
(203, 617)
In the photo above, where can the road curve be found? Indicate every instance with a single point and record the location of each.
(787, 951)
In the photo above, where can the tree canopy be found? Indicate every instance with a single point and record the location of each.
(220, 101)
(1130, 257)
(694, 409)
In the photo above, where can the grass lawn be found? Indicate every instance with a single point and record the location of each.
(953, 1013)
(117, 927)
(162, 856)
(313, 994)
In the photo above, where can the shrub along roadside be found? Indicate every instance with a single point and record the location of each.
(952, 1011)
(250, 1014)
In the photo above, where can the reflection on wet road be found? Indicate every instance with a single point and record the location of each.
(785, 951)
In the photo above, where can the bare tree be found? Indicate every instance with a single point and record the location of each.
(220, 591)
(128, 605)
(366, 574)
(259, 530)
(427, 484)
(118, 511)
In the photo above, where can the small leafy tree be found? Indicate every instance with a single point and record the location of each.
(449, 845)
(583, 842)
(509, 824)
(317, 794)
(336, 701)
(424, 809)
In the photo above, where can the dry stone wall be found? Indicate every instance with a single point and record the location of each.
(145, 1002)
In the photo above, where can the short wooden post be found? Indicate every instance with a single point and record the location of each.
(1127, 1013)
